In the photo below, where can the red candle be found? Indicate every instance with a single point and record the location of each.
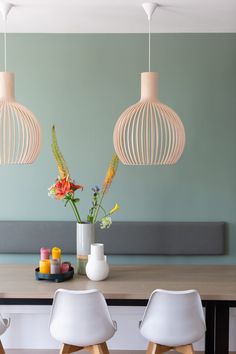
(65, 266)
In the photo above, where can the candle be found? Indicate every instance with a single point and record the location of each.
(44, 253)
(56, 253)
(55, 266)
(65, 267)
(44, 266)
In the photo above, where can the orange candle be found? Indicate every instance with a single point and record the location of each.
(44, 266)
(56, 253)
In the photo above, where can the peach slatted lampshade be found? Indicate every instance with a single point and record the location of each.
(149, 132)
(20, 132)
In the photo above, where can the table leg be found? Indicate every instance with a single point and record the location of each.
(221, 327)
(210, 325)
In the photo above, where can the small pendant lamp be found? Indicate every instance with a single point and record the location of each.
(149, 132)
(20, 132)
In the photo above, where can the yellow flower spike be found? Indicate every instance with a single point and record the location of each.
(60, 161)
(111, 172)
(113, 210)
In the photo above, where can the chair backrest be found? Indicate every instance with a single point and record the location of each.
(80, 317)
(173, 318)
(4, 324)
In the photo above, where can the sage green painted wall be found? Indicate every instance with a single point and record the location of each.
(81, 83)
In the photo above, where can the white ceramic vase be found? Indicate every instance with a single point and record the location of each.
(85, 236)
(97, 267)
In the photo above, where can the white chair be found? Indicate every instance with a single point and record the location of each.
(81, 320)
(173, 320)
(4, 324)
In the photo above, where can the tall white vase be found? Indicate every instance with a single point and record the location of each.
(85, 236)
(97, 267)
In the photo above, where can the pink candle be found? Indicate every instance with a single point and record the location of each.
(44, 253)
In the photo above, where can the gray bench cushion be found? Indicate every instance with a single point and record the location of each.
(127, 238)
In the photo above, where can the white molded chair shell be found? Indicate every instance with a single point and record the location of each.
(4, 324)
(81, 318)
(173, 318)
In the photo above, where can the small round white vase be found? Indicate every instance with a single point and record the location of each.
(97, 267)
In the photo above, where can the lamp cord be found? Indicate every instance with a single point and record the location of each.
(149, 44)
(5, 45)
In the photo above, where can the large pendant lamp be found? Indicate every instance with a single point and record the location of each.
(149, 132)
(20, 132)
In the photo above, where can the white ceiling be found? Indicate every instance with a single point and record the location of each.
(120, 16)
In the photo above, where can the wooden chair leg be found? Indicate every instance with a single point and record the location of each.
(67, 349)
(104, 348)
(154, 348)
(185, 349)
(100, 348)
(2, 351)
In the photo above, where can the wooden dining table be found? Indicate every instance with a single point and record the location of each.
(131, 285)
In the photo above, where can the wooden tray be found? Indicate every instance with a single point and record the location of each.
(58, 278)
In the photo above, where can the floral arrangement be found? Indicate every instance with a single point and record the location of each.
(64, 189)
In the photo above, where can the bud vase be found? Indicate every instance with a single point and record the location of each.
(97, 267)
(85, 236)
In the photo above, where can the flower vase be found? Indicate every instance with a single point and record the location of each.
(97, 267)
(85, 236)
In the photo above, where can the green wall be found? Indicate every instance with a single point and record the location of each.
(81, 83)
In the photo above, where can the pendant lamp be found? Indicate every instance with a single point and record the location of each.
(20, 132)
(149, 132)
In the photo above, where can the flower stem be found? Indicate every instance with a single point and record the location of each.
(75, 210)
(105, 213)
(97, 209)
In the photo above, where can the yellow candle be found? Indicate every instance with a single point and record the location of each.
(56, 253)
(44, 266)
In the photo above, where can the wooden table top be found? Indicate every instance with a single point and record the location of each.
(214, 282)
